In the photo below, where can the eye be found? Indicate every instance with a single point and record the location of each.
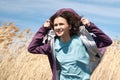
(55, 24)
(61, 24)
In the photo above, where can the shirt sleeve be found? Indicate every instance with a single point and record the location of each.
(101, 39)
(37, 46)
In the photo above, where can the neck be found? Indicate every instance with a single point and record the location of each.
(65, 38)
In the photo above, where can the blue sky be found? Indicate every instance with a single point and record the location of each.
(32, 13)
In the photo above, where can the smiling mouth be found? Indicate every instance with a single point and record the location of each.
(59, 30)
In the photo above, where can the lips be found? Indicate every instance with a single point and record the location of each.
(59, 31)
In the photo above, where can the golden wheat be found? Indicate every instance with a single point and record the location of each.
(16, 63)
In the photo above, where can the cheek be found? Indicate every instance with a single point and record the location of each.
(67, 28)
(54, 28)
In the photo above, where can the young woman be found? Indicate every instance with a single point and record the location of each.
(68, 48)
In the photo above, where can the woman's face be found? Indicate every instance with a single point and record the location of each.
(61, 27)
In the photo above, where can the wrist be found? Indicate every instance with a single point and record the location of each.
(88, 24)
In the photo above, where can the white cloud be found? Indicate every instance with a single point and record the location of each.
(31, 9)
(100, 10)
(36, 6)
(106, 1)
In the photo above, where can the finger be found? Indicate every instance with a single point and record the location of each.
(48, 21)
(82, 19)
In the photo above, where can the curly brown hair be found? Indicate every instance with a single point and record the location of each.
(72, 18)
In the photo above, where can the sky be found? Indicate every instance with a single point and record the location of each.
(33, 13)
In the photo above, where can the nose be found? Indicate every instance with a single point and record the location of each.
(57, 27)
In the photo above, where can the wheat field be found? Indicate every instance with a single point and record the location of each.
(16, 63)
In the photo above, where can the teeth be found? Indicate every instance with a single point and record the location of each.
(58, 30)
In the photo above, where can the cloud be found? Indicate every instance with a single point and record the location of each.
(34, 12)
(36, 6)
(106, 1)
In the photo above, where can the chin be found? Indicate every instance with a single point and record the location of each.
(59, 35)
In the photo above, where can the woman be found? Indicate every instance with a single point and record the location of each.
(68, 47)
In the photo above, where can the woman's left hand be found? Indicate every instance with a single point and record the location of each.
(85, 21)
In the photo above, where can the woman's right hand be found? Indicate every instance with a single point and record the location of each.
(47, 23)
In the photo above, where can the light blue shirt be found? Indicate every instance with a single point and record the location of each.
(73, 58)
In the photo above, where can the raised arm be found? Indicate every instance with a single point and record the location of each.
(37, 46)
(101, 39)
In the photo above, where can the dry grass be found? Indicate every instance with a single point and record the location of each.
(18, 64)
(109, 68)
